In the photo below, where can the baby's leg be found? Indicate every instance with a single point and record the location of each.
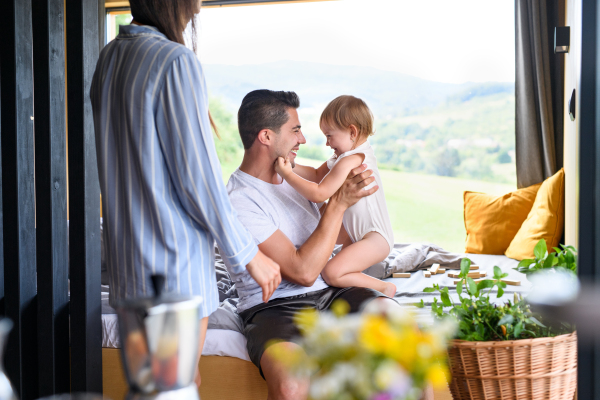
(345, 269)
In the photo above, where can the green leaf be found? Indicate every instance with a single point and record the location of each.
(504, 275)
(549, 263)
(526, 263)
(429, 290)
(421, 304)
(500, 291)
(518, 327)
(459, 288)
(540, 249)
(535, 321)
(557, 250)
(446, 299)
(506, 319)
(463, 326)
(465, 266)
(472, 287)
(569, 257)
(497, 272)
(485, 284)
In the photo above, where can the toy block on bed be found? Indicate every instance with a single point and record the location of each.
(401, 275)
(434, 268)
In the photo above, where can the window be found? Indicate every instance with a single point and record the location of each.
(437, 75)
(114, 18)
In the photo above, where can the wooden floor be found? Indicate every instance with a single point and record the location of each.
(223, 378)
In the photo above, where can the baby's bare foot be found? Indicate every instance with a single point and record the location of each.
(390, 289)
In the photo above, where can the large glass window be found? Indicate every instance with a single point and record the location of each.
(437, 75)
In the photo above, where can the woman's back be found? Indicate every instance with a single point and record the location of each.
(164, 202)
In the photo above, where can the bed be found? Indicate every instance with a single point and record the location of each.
(225, 349)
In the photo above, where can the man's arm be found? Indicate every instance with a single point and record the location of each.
(303, 266)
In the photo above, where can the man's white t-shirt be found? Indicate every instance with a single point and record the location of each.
(263, 208)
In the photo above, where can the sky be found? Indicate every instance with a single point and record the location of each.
(441, 40)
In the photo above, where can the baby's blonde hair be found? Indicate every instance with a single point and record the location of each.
(344, 111)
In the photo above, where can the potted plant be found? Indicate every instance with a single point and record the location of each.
(504, 351)
(380, 354)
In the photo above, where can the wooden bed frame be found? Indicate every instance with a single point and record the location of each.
(223, 378)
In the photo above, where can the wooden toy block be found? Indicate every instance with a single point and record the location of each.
(401, 275)
(482, 274)
(474, 267)
(427, 274)
(474, 275)
(441, 271)
(511, 282)
(434, 268)
(464, 283)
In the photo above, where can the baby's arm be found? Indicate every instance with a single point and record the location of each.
(318, 192)
(312, 174)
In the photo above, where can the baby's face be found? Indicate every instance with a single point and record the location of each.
(339, 140)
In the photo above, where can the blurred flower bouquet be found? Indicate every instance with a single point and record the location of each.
(380, 354)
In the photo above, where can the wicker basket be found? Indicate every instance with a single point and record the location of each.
(540, 369)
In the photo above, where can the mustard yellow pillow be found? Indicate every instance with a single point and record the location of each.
(545, 220)
(493, 221)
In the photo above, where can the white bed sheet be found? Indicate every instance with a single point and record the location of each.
(218, 342)
(221, 342)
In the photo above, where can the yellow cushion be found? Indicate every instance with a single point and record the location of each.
(545, 220)
(493, 221)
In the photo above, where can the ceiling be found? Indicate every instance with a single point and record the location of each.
(218, 3)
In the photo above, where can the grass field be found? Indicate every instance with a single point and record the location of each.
(423, 208)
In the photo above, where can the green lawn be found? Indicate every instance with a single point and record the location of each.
(423, 208)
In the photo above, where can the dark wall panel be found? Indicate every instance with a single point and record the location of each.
(18, 194)
(589, 187)
(51, 196)
(84, 199)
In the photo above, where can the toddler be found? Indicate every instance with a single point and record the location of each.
(366, 233)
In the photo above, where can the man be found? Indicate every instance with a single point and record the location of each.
(287, 228)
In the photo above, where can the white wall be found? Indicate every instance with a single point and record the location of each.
(571, 128)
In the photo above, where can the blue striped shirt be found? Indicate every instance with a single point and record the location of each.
(163, 199)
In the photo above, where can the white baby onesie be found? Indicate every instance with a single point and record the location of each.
(370, 214)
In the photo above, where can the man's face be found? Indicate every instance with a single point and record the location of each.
(290, 137)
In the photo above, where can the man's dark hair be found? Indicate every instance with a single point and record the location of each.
(264, 109)
(168, 16)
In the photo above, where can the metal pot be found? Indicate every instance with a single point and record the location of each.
(159, 340)
(6, 390)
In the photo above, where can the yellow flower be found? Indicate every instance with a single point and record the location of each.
(376, 335)
(306, 319)
(340, 307)
(437, 375)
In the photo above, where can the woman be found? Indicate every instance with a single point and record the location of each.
(164, 202)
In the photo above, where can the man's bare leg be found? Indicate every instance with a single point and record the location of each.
(201, 337)
(281, 385)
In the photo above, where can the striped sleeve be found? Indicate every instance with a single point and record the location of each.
(186, 139)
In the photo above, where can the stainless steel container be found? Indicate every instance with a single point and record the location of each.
(159, 341)
(6, 390)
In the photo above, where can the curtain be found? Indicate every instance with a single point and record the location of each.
(538, 91)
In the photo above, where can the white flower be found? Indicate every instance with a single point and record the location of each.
(389, 376)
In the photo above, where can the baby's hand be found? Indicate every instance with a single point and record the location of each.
(283, 167)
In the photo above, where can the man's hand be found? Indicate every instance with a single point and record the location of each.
(353, 189)
(266, 273)
(283, 167)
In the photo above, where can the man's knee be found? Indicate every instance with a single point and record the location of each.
(281, 384)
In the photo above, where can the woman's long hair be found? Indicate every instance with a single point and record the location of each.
(170, 17)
